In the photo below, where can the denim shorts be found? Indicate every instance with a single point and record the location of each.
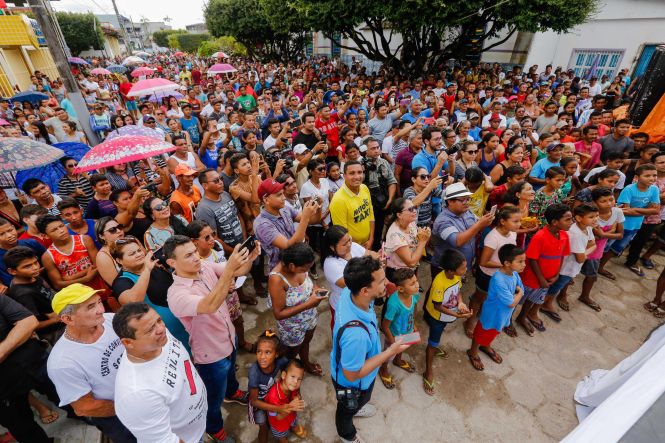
(436, 328)
(535, 295)
(618, 246)
(558, 285)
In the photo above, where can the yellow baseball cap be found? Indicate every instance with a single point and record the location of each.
(72, 295)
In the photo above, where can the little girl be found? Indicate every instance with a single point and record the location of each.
(509, 220)
(572, 183)
(549, 194)
(262, 375)
(211, 250)
(285, 401)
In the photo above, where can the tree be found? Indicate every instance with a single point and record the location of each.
(187, 42)
(431, 31)
(227, 44)
(249, 24)
(161, 38)
(81, 31)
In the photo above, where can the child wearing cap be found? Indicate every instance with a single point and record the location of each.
(537, 174)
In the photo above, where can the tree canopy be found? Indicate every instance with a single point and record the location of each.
(161, 38)
(81, 31)
(250, 24)
(227, 44)
(187, 42)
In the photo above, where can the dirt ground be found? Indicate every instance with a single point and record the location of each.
(529, 397)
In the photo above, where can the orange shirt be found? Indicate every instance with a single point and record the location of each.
(187, 202)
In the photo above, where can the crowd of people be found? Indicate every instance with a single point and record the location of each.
(122, 290)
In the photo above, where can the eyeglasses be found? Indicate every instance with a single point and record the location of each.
(321, 169)
(411, 209)
(472, 151)
(114, 229)
(160, 207)
(215, 180)
(423, 177)
(72, 165)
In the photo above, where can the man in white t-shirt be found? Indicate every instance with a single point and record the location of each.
(84, 362)
(159, 395)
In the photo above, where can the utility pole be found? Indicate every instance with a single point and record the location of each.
(51, 33)
(123, 32)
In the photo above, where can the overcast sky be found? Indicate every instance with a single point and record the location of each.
(181, 13)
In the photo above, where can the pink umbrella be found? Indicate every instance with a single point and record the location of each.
(4, 122)
(124, 149)
(134, 130)
(151, 86)
(179, 54)
(142, 71)
(100, 71)
(219, 54)
(221, 68)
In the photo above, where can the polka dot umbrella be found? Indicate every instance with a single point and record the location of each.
(123, 149)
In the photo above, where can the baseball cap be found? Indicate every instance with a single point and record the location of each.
(473, 115)
(544, 83)
(464, 101)
(456, 190)
(561, 124)
(269, 186)
(73, 294)
(495, 116)
(553, 146)
(183, 169)
(148, 117)
(512, 97)
(299, 148)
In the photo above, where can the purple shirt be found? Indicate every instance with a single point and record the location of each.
(404, 159)
(268, 227)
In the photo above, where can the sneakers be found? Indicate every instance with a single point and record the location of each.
(240, 397)
(355, 440)
(221, 437)
(369, 410)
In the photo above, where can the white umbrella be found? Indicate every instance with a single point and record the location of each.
(219, 54)
(133, 60)
(142, 54)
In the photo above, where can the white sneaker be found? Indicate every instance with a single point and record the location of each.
(355, 440)
(369, 410)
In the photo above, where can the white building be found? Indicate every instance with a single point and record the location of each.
(622, 34)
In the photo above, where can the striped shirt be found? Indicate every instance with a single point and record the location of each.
(68, 185)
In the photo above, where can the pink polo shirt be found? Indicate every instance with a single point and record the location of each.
(594, 151)
(212, 337)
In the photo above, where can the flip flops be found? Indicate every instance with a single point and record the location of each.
(476, 362)
(428, 386)
(538, 325)
(387, 381)
(492, 354)
(551, 314)
(636, 270)
(590, 303)
(408, 367)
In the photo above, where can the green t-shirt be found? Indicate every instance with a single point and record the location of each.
(247, 102)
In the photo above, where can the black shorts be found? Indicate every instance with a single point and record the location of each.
(482, 281)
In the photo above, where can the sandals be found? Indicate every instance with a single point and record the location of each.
(648, 263)
(440, 352)
(659, 312)
(299, 431)
(551, 314)
(492, 354)
(636, 270)
(607, 274)
(475, 361)
(408, 367)
(592, 304)
(538, 325)
(510, 331)
(650, 306)
(387, 381)
(563, 304)
(428, 386)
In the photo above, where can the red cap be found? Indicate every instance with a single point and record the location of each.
(269, 186)
(495, 116)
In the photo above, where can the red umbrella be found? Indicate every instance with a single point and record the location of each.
(142, 71)
(220, 68)
(151, 86)
(124, 149)
(179, 54)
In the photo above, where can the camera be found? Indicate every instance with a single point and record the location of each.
(348, 397)
(369, 165)
(453, 149)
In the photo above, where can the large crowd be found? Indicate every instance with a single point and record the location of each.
(323, 186)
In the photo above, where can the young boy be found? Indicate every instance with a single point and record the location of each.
(444, 305)
(286, 393)
(29, 215)
(544, 255)
(72, 214)
(514, 174)
(505, 292)
(398, 319)
(614, 161)
(537, 174)
(32, 291)
(582, 244)
(480, 186)
(636, 200)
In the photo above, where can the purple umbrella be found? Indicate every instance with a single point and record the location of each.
(161, 95)
(135, 131)
(77, 61)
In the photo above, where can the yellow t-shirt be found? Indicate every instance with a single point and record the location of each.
(354, 212)
(445, 291)
(478, 201)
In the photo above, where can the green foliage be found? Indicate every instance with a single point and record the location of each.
(81, 31)
(161, 38)
(250, 24)
(189, 42)
(226, 43)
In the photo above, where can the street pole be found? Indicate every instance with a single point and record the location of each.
(123, 32)
(49, 28)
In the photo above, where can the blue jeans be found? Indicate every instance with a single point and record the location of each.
(220, 381)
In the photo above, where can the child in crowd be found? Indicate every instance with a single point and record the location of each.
(508, 222)
(29, 215)
(636, 200)
(544, 255)
(537, 175)
(549, 194)
(607, 178)
(284, 396)
(582, 244)
(211, 250)
(443, 305)
(658, 160)
(262, 375)
(398, 318)
(480, 185)
(614, 161)
(572, 183)
(514, 174)
(504, 293)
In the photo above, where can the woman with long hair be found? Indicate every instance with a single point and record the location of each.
(164, 225)
(40, 134)
(487, 157)
(107, 231)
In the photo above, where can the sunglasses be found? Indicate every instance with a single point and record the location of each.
(472, 151)
(411, 209)
(114, 229)
(72, 165)
(423, 177)
(215, 181)
(321, 169)
(160, 207)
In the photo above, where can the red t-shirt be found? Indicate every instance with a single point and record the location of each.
(196, 76)
(45, 242)
(277, 397)
(448, 101)
(549, 251)
(331, 130)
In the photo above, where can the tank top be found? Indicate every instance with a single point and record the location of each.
(76, 261)
(486, 165)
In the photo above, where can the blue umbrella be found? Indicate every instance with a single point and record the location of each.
(53, 172)
(119, 69)
(29, 96)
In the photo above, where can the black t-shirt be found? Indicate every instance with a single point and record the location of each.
(308, 140)
(139, 227)
(158, 286)
(36, 297)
